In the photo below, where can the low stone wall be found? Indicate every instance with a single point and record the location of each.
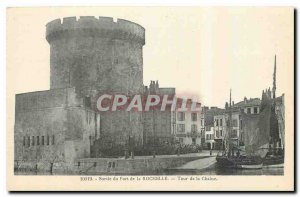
(106, 166)
(44, 167)
(131, 166)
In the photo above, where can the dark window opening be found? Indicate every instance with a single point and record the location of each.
(194, 128)
(181, 116)
(28, 141)
(255, 110)
(234, 134)
(241, 124)
(180, 128)
(194, 116)
(194, 141)
(248, 110)
(234, 123)
(87, 101)
(53, 139)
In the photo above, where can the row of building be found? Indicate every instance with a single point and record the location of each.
(209, 128)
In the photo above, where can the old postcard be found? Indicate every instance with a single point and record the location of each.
(150, 99)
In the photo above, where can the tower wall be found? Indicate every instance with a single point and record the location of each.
(100, 56)
(96, 53)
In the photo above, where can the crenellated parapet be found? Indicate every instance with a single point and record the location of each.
(96, 27)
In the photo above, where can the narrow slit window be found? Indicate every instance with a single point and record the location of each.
(53, 139)
(48, 139)
(28, 141)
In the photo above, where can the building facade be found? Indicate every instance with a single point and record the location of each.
(219, 130)
(210, 117)
(216, 123)
(188, 126)
(159, 126)
(247, 106)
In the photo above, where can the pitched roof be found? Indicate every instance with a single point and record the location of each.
(210, 113)
(248, 103)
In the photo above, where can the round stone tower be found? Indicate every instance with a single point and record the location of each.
(100, 56)
(96, 53)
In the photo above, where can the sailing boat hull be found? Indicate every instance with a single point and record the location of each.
(274, 161)
(243, 162)
(258, 166)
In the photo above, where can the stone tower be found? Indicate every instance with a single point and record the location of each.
(100, 56)
(96, 53)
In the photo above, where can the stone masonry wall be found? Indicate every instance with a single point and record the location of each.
(53, 126)
(99, 56)
(96, 53)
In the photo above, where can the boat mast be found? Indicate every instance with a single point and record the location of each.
(229, 125)
(274, 79)
(273, 97)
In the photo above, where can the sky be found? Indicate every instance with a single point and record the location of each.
(202, 52)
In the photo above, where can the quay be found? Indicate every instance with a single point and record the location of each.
(139, 165)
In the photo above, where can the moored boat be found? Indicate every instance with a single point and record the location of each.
(242, 162)
(274, 161)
